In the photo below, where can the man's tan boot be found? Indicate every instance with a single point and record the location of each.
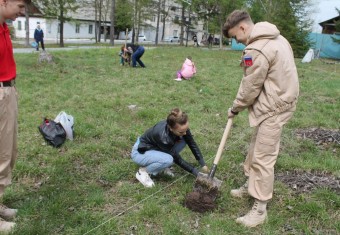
(6, 227)
(7, 213)
(257, 215)
(240, 192)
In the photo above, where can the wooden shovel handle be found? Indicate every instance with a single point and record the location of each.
(223, 141)
(126, 35)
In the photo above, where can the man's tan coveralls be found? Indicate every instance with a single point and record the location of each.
(269, 89)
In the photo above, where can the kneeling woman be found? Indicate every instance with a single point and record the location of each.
(159, 147)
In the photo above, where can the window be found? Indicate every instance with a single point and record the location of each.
(77, 28)
(90, 29)
(49, 28)
(19, 25)
(175, 33)
(9, 22)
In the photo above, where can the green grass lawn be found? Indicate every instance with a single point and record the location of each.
(88, 185)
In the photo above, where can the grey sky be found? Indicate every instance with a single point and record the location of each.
(323, 10)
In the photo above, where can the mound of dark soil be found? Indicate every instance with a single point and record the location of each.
(201, 201)
(302, 182)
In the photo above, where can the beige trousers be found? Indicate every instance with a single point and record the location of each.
(8, 135)
(262, 155)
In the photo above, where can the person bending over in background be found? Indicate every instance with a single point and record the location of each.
(137, 52)
(187, 71)
(269, 89)
(125, 56)
(159, 147)
(9, 10)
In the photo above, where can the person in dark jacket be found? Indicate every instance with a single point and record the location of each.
(195, 40)
(210, 40)
(137, 52)
(39, 37)
(159, 147)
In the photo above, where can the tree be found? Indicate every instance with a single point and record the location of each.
(165, 12)
(106, 9)
(183, 22)
(337, 28)
(27, 23)
(159, 3)
(58, 9)
(142, 10)
(123, 15)
(290, 17)
(112, 19)
(214, 12)
(99, 8)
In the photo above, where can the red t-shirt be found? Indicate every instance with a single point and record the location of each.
(7, 63)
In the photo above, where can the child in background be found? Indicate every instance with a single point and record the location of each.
(124, 57)
(188, 70)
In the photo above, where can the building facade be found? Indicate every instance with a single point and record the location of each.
(83, 23)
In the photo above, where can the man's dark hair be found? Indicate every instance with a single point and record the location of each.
(233, 19)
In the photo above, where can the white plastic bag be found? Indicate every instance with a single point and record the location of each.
(67, 122)
(308, 57)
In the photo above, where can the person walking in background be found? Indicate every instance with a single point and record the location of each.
(269, 89)
(9, 10)
(195, 40)
(159, 147)
(39, 37)
(136, 52)
(210, 40)
(187, 71)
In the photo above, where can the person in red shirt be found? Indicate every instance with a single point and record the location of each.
(9, 10)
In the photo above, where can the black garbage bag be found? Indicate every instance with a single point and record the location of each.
(53, 132)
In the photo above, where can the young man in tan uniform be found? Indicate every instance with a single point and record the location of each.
(269, 89)
(9, 10)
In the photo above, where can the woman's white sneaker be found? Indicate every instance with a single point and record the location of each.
(143, 177)
(6, 227)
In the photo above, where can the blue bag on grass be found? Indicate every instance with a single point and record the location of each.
(34, 44)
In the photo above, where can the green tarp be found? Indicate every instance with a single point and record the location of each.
(323, 45)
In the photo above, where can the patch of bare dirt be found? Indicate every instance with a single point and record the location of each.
(201, 200)
(322, 137)
(303, 182)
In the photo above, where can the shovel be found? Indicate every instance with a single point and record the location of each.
(207, 182)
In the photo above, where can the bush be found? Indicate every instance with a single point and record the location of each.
(11, 31)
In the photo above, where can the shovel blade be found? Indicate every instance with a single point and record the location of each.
(207, 182)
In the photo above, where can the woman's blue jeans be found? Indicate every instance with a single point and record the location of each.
(136, 57)
(155, 161)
